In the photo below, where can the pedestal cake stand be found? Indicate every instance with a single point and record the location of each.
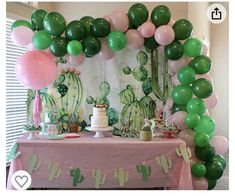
(99, 131)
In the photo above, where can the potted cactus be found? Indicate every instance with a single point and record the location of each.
(146, 133)
(74, 123)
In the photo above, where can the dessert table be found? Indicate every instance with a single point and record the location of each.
(122, 163)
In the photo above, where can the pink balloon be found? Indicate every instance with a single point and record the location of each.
(205, 49)
(164, 35)
(30, 46)
(174, 66)
(21, 35)
(178, 119)
(187, 135)
(50, 55)
(206, 113)
(171, 22)
(147, 29)
(199, 183)
(220, 144)
(76, 60)
(107, 17)
(119, 20)
(211, 101)
(106, 53)
(35, 69)
(134, 39)
(206, 76)
(175, 80)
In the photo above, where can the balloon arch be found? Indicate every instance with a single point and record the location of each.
(51, 41)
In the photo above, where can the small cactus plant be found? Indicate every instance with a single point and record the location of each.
(165, 163)
(185, 152)
(98, 177)
(54, 170)
(33, 163)
(122, 176)
(77, 176)
(144, 170)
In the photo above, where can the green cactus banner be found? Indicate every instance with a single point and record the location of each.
(33, 163)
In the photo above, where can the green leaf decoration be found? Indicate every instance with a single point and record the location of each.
(99, 178)
(54, 171)
(33, 163)
(165, 163)
(144, 170)
(140, 73)
(147, 86)
(185, 152)
(13, 154)
(122, 176)
(77, 176)
(104, 88)
(142, 58)
(127, 70)
(112, 116)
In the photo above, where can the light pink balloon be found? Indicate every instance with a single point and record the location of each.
(134, 39)
(175, 80)
(206, 76)
(107, 17)
(76, 60)
(22, 35)
(171, 22)
(30, 46)
(211, 101)
(205, 49)
(164, 35)
(50, 55)
(199, 183)
(174, 66)
(206, 112)
(220, 144)
(35, 69)
(187, 135)
(106, 53)
(178, 119)
(119, 20)
(147, 29)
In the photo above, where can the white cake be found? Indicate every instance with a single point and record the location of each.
(99, 118)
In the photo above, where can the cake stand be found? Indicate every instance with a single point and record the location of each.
(99, 131)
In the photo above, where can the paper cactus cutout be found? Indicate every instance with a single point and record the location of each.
(33, 163)
(165, 163)
(13, 154)
(122, 176)
(54, 171)
(77, 176)
(144, 170)
(185, 152)
(98, 177)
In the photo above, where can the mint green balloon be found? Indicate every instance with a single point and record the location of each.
(182, 94)
(192, 47)
(192, 120)
(197, 106)
(18, 23)
(206, 125)
(186, 75)
(42, 40)
(74, 48)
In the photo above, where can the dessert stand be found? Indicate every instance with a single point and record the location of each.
(99, 131)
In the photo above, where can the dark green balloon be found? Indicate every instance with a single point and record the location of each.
(75, 30)
(18, 23)
(100, 27)
(206, 125)
(201, 139)
(138, 14)
(54, 23)
(58, 46)
(150, 43)
(117, 40)
(201, 64)
(182, 94)
(91, 46)
(186, 75)
(202, 88)
(87, 21)
(192, 47)
(174, 51)
(192, 120)
(219, 158)
(211, 184)
(198, 170)
(214, 170)
(183, 29)
(177, 108)
(74, 48)
(160, 15)
(197, 106)
(37, 18)
(42, 40)
(205, 153)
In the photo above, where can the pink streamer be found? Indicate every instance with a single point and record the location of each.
(37, 108)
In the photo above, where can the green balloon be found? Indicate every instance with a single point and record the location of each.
(202, 88)
(18, 23)
(198, 170)
(138, 14)
(219, 158)
(100, 27)
(197, 106)
(37, 18)
(140, 73)
(201, 64)
(211, 184)
(174, 51)
(160, 15)
(192, 120)
(177, 108)
(117, 40)
(183, 29)
(205, 153)
(206, 125)
(201, 139)
(75, 30)
(150, 43)
(87, 21)
(214, 170)
(42, 40)
(182, 94)
(192, 47)
(74, 48)
(58, 46)
(54, 23)
(186, 75)
(91, 46)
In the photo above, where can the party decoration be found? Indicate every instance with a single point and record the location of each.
(205, 153)
(119, 21)
(202, 88)
(77, 176)
(147, 29)
(177, 108)
(75, 30)
(42, 40)
(214, 170)
(117, 40)
(106, 53)
(178, 119)
(219, 158)
(140, 73)
(164, 35)
(160, 15)
(201, 139)
(150, 43)
(142, 58)
(147, 86)
(192, 120)
(182, 94)
(201, 64)
(165, 163)
(33, 163)
(198, 170)
(74, 47)
(122, 176)
(185, 152)
(187, 135)
(183, 29)
(186, 75)
(91, 46)
(87, 21)
(54, 171)
(220, 143)
(174, 51)
(197, 106)
(138, 14)
(200, 183)
(21, 35)
(211, 101)
(100, 27)
(211, 184)
(206, 125)
(192, 47)
(134, 39)
(58, 46)
(18, 23)
(37, 18)
(99, 177)
(76, 60)
(174, 66)
(145, 170)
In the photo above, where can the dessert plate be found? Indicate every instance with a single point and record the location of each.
(55, 137)
(99, 131)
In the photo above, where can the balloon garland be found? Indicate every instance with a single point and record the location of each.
(49, 38)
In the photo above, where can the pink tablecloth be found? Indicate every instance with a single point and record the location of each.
(88, 153)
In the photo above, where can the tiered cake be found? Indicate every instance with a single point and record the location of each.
(99, 118)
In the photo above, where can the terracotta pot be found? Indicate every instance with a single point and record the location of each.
(73, 128)
(146, 135)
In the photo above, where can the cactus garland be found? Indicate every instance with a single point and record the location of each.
(99, 177)
(54, 171)
(78, 178)
(33, 163)
(165, 163)
(185, 152)
(144, 170)
(122, 176)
